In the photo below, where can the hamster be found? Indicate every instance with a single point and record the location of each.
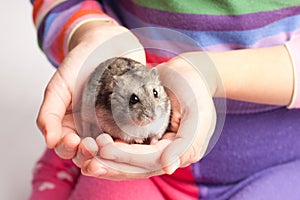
(124, 99)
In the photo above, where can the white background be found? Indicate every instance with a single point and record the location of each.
(24, 73)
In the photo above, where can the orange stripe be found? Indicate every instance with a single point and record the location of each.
(36, 7)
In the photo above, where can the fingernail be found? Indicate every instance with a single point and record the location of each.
(103, 139)
(100, 171)
(172, 168)
(68, 148)
(44, 132)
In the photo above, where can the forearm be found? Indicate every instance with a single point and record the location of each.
(256, 75)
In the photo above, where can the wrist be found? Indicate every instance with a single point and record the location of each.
(204, 66)
(83, 31)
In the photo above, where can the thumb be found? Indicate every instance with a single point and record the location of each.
(53, 108)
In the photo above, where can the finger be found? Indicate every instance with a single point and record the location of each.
(67, 147)
(91, 167)
(170, 160)
(169, 136)
(175, 111)
(56, 99)
(145, 156)
(87, 149)
(197, 121)
(104, 139)
(107, 169)
(191, 141)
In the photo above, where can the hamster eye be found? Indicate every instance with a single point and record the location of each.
(155, 93)
(134, 99)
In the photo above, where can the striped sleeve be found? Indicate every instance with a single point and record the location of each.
(293, 47)
(56, 21)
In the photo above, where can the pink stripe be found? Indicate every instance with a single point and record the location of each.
(169, 45)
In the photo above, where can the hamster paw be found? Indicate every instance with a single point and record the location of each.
(138, 140)
(153, 140)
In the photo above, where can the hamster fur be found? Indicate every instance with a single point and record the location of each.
(124, 99)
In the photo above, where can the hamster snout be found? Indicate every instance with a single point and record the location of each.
(147, 116)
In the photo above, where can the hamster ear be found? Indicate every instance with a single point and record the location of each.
(139, 67)
(154, 73)
(117, 81)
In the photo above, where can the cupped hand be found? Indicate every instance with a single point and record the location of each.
(190, 87)
(56, 116)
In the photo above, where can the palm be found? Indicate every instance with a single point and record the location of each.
(56, 116)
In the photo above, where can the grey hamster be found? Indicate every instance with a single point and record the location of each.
(124, 99)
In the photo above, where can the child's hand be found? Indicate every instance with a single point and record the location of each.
(55, 118)
(193, 123)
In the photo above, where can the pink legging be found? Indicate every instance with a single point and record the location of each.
(59, 179)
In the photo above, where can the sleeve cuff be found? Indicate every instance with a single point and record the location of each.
(293, 47)
(78, 23)
(57, 20)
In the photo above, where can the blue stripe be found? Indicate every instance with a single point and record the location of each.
(49, 21)
(245, 38)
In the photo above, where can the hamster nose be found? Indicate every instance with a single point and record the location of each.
(150, 115)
